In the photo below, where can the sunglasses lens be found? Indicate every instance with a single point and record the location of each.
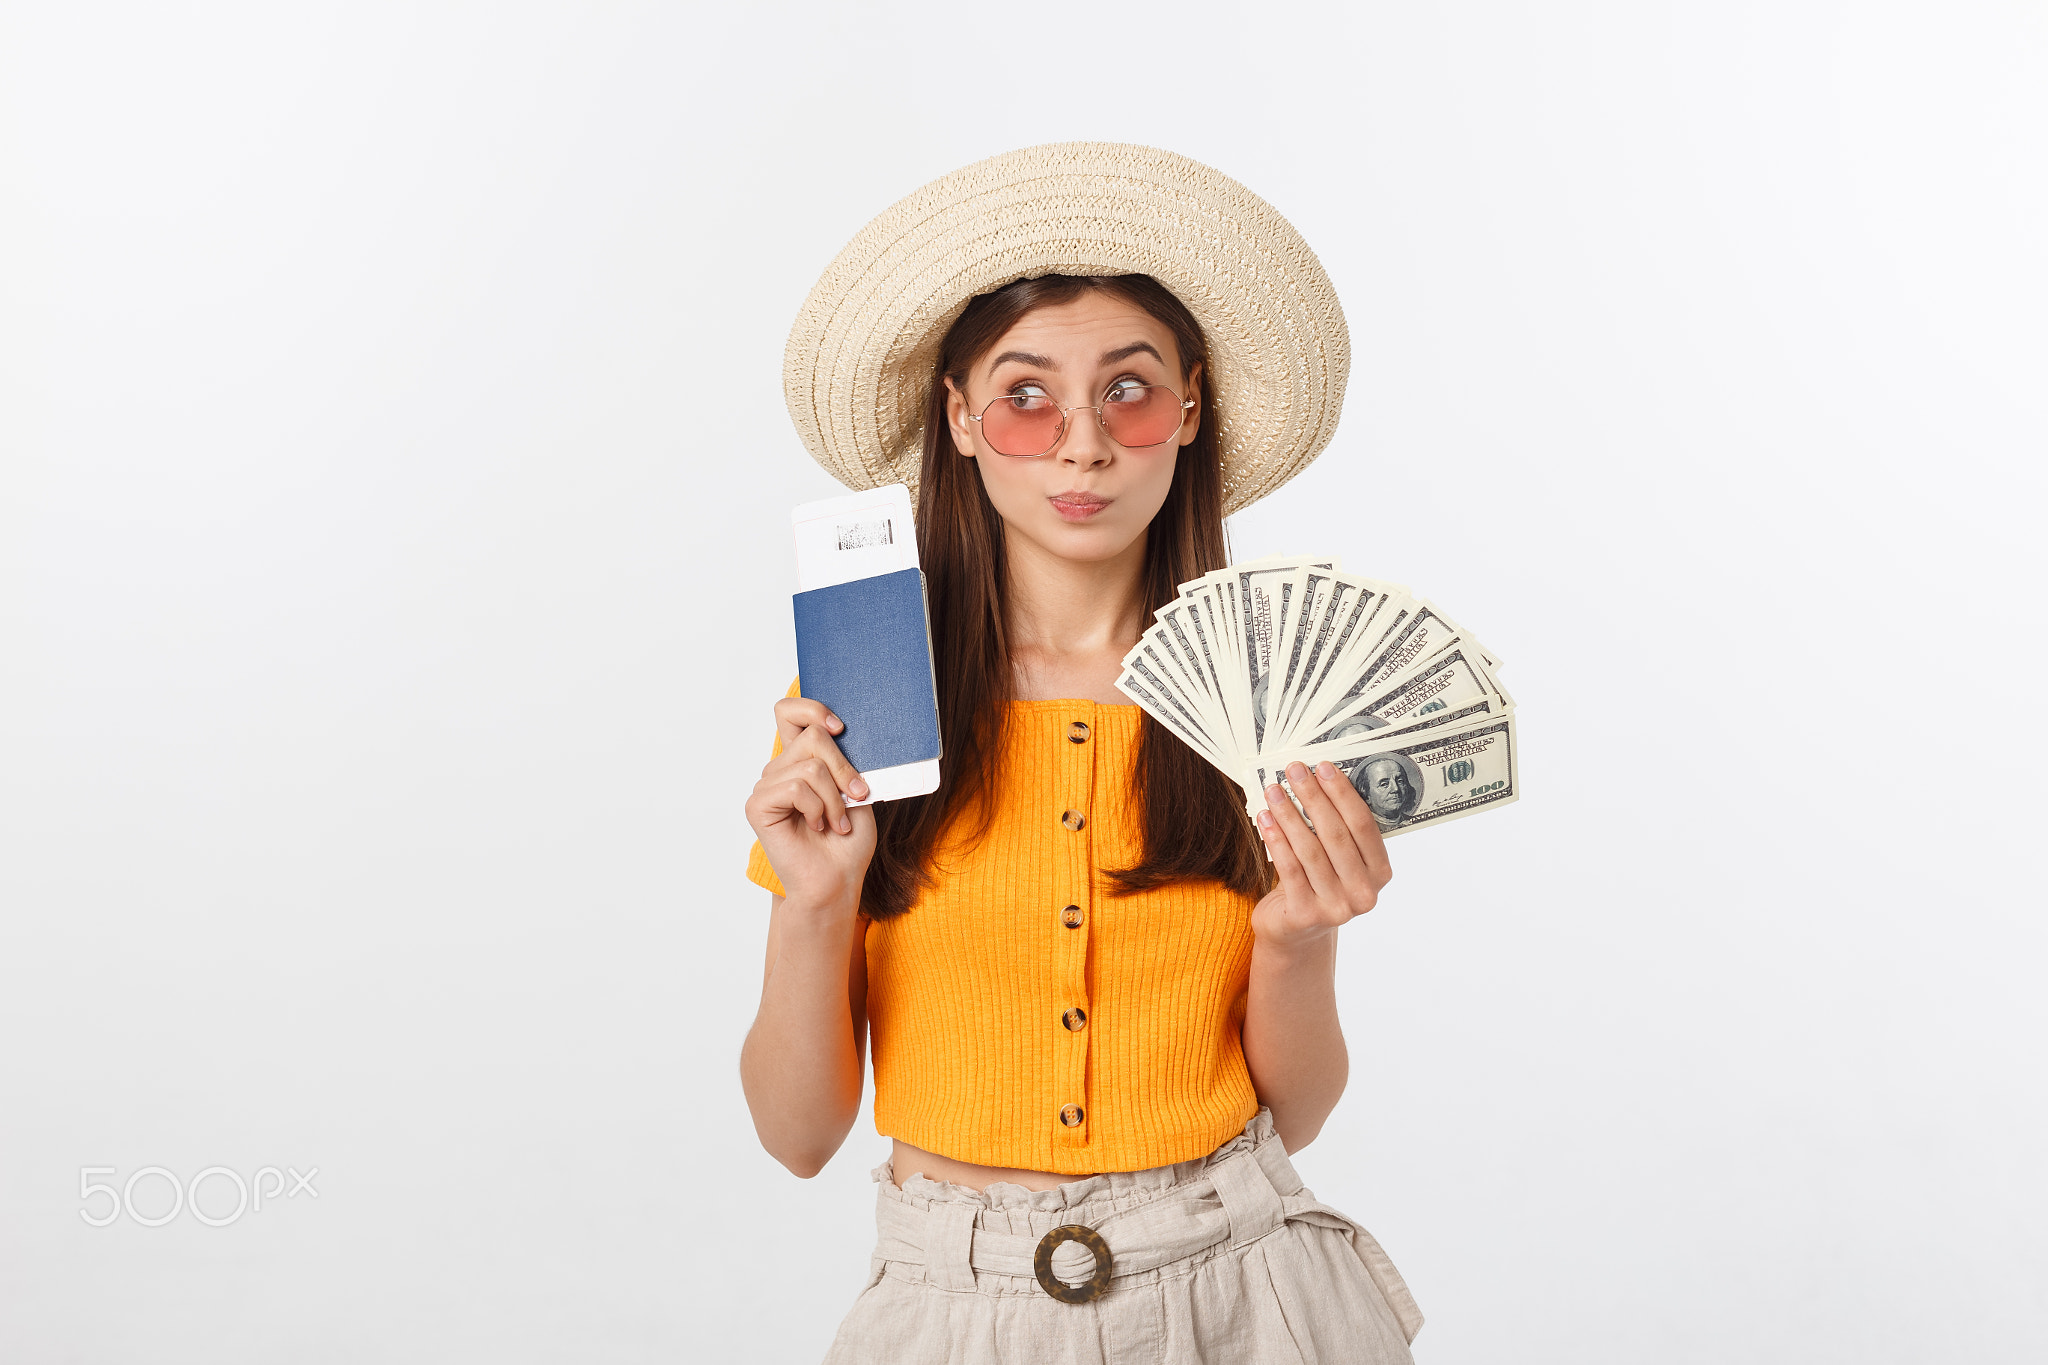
(1141, 415)
(1021, 424)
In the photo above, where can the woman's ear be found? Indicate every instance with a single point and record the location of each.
(956, 420)
(1191, 420)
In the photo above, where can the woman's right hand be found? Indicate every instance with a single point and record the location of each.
(818, 847)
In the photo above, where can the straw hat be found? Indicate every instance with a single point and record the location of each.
(861, 355)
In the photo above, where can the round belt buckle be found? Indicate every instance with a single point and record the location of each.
(1060, 1289)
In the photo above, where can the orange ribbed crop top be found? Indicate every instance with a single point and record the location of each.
(1021, 1013)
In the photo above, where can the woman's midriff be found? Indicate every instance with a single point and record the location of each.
(906, 1161)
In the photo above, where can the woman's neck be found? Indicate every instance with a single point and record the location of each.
(1071, 623)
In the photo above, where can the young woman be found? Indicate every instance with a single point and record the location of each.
(1101, 1000)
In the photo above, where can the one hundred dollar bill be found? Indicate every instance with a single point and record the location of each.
(1451, 679)
(1413, 776)
(1267, 597)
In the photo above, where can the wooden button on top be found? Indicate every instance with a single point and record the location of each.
(1077, 733)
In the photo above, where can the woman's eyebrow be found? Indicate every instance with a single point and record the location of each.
(1135, 348)
(1041, 362)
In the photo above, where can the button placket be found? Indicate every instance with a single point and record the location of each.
(1074, 923)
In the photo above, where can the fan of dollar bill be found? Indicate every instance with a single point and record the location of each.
(1286, 659)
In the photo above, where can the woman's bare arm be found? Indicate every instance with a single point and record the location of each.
(1329, 875)
(803, 1060)
(1292, 1040)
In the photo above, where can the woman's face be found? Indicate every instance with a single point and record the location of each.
(1090, 499)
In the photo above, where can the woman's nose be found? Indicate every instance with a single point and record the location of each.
(1087, 444)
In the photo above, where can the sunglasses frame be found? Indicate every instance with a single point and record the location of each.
(1100, 420)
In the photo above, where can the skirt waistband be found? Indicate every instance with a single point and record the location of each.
(1238, 1200)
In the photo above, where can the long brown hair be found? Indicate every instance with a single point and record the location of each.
(1197, 829)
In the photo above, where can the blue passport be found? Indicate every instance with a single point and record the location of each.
(864, 648)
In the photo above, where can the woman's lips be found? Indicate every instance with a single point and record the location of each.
(1078, 506)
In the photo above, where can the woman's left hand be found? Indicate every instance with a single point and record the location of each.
(1329, 875)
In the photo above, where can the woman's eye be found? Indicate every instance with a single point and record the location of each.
(1028, 397)
(1125, 391)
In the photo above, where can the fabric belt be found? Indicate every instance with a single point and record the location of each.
(1236, 1200)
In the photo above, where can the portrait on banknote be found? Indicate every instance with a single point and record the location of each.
(1390, 783)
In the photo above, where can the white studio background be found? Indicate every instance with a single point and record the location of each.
(393, 586)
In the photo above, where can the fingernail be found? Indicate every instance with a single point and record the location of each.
(1266, 819)
(1326, 769)
(845, 825)
(1297, 771)
(859, 789)
(834, 723)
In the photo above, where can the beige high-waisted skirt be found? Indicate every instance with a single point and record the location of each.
(1225, 1258)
